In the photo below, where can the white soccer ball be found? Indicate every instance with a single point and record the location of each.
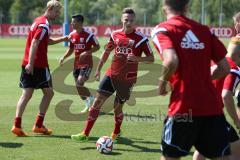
(104, 144)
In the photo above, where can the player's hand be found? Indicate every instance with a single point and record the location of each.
(29, 69)
(66, 38)
(133, 58)
(83, 55)
(97, 75)
(163, 87)
(61, 60)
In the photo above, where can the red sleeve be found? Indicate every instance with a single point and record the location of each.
(218, 50)
(147, 49)
(40, 33)
(231, 81)
(162, 41)
(110, 44)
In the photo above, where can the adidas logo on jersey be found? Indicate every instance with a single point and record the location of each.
(191, 41)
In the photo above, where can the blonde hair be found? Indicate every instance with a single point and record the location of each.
(54, 4)
(236, 17)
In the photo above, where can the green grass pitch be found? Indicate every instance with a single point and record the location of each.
(142, 124)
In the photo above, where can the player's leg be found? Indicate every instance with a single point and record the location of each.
(82, 91)
(21, 105)
(92, 117)
(118, 118)
(105, 90)
(81, 76)
(44, 82)
(43, 107)
(28, 84)
(235, 150)
(123, 92)
(198, 156)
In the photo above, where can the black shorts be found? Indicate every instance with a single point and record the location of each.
(232, 133)
(84, 72)
(109, 85)
(207, 133)
(41, 78)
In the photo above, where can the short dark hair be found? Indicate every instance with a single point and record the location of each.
(79, 17)
(176, 5)
(128, 11)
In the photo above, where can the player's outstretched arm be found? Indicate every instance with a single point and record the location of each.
(52, 41)
(67, 54)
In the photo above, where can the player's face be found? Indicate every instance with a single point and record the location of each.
(55, 13)
(128, 20)
(76, 24)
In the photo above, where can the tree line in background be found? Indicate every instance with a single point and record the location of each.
(108, 12)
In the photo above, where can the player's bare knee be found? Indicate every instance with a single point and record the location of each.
(48, 93)
(80, 81)
(235, 148)
(26, 96)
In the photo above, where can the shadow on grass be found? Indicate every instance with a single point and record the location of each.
(52, 136)
(113, 153)
(138, 148)
(129, 142)
(10, 145)
(90, 140)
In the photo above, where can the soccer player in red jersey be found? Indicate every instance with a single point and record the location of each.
(35, 71)
(195, 114)
(128, 45)
(226, 87)
(83, 43)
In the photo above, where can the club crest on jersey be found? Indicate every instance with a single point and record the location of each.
(131, 42)
(81, 40)
(190, 41)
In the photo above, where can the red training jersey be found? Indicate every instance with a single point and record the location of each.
(126, 44)
(193, 92)
(82, 42)
(39, 30)
(231, 81)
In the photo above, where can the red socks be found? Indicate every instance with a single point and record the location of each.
(92, 117)
(39, 120)
(118, 122)
(18, 122)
